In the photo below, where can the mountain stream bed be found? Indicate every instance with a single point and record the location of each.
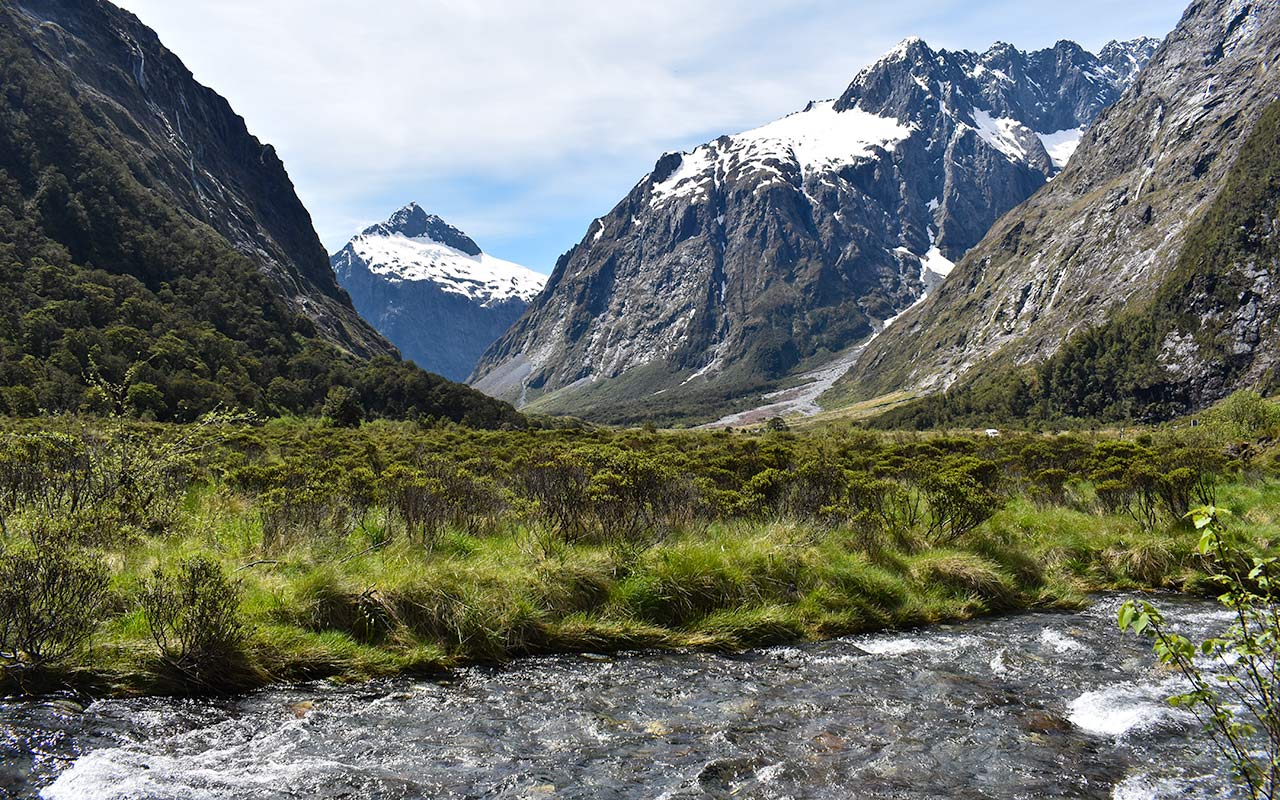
(1032, 705)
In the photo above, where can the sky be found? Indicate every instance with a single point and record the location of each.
(521, 121)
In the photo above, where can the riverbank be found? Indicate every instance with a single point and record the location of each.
(1016, 706)
(227, 556)
(354, 616)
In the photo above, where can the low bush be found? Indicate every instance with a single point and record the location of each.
(193, 612)
(50, 604)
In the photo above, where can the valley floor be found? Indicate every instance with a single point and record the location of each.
(225, 556)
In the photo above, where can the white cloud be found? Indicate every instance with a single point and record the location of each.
(366, 100)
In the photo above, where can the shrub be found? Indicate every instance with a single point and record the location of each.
(308, 510)
(961, 495)
(881, 504)
(50, 603)
(1232, 677)
(1126, 480)
(419, 500)
(1243, 416)
(193, 612)
(342, 406)
(557, 485)
(631, 495)
(1049, 486)
(816, 491)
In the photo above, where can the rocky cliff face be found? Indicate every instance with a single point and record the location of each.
(428, 287)
(1125, 218)
(733, 265)
(188, 146)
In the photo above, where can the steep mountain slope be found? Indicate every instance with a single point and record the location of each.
(187, 144)
(757, 254)
(428, 287)
(1124, 229)
(127, 283)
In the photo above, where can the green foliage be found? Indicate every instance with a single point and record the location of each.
(962, 494)
(1154, 483)
(1234, 685)
(342, 406)
(193, 612)
(107, 284)
(393, 547)
(50, 604)
(1244, 416)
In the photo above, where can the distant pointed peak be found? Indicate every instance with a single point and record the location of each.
(1137, 41)
(1141, 44)
(907, 48)
(999, 49)
(413, 222)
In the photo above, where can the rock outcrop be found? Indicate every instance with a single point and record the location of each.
(1125, 229)
(190, 147)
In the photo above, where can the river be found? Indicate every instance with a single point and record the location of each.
(1026, 706)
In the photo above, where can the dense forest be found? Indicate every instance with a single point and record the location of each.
(117, 302)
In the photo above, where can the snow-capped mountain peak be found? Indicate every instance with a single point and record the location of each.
(412, 245)
(431, 290)
(734, 262)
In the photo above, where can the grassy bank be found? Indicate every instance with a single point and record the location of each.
(226, 556)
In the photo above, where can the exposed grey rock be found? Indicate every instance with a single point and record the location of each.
(428, 287)
(190, 147)
(744, 260)
(1108, 231)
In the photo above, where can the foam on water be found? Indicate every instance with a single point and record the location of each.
(1121, 709)
(902, 645)
(184, 770)
(1061, 643)
(1141, 786)
(854, 716)
(1136, 787)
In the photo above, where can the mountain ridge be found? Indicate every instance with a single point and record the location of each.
(189, 145)
(149, 261)
(730, 267)
(1106, 234)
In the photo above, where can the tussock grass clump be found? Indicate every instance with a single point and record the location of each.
(754, 627)
(1145, 562)
(966, 574)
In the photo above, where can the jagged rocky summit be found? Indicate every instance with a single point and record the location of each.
(753, 256)
(1143, 281)
(429, 288)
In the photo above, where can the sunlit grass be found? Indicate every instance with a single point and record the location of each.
(339, 608)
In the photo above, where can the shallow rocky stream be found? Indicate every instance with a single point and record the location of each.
(1025, 706)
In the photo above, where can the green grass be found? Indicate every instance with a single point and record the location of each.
(750, 538)
(338, 610)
